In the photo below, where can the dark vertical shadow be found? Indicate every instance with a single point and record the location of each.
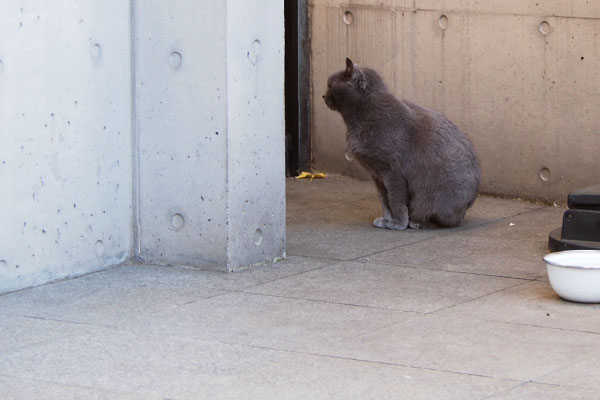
(297, 87)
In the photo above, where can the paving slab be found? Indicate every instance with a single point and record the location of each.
(463, 253)
(332, 183)
(120, 294)
(359, 212)
(493, 208)
(268, 321)
(344, 242)
(465, 345)
(110, 296)
(487, 209)
(21, 389)
(123, 361)
(307, 202)
(584, 374)
(532, 303)
(534, 391)
(534, 225)
(249, 277)
(386, 286)
(175, 368)
(17, 332)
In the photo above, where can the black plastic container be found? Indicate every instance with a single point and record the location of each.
(581, 222)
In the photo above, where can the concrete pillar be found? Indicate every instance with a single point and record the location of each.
(209, 90)
(255, 132)
(147, 129)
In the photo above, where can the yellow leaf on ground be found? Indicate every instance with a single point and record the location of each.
(304, 175)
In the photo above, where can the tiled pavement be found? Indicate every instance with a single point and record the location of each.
(354, 312)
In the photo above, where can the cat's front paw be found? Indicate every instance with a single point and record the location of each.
(396, 224)
(380, 223)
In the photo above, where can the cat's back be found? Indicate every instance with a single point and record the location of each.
(433, 127)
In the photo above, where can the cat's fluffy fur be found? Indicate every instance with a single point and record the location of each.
(423, 166)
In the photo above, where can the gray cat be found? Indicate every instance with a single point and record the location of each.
(425, 169)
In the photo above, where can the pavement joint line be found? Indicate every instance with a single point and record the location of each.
(484, 236)
(360, 360)
(54, 320)
(594, 390)
(446, 270)
(478, 297)
(507, 390)
(68, 279)
(386, 326)
(318, 257)
(288, 276)
(50, 382)
(7, 353)
(554, 328)
(532, 381)
(223, 292)
(594, 356)
(389, 249)
(242, 291)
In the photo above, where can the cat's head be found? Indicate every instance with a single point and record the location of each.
(345, 86)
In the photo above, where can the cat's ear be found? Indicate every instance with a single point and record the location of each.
(349, 67)
(355, 75)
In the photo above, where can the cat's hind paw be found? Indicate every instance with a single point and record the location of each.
(380, 222)
(414, 225)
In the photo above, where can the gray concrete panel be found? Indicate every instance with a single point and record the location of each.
(65, 157)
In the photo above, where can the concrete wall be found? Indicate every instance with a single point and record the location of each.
(65, 157)
(521, 78)
(147, 129)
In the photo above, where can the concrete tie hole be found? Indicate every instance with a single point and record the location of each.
(544, 28)
(99, 247)
(258, 237)
(545, 175)
(175, 60)
(177, 221)
(255, 49)
(443, 22)
(348, 17)
(96, 51)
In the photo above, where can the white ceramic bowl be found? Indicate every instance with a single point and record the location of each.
(575, 274)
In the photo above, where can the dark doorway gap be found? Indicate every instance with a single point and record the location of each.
(297, 87)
